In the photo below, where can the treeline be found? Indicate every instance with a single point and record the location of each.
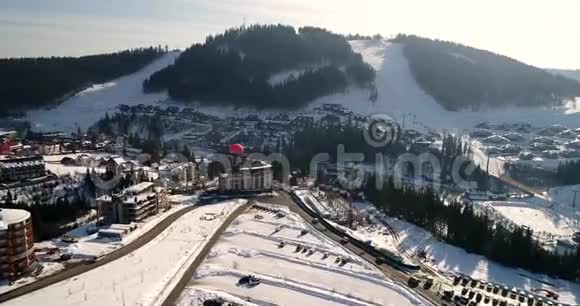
(234, 67)
(47, 220)
(311, 140)
(568, 173)
(142, 132)
(363, 37)
(572, 74)
(533, 176)
(135, 127)
(460, 226)
(461, 77)
(37, 82)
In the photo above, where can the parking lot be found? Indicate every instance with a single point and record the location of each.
(472, 292)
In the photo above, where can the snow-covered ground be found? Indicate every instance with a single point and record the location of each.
(251, 246)
(54, 165)
(447, 258)
(196, 297)
(564, 195)
(538, 218)
(90, 245)
(143, 276)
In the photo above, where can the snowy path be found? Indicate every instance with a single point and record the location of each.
(136, 279)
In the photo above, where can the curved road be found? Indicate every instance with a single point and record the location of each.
(82, 268)
(173, 296)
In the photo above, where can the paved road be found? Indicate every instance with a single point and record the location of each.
(79, 269)
(391, 273)
(173, 296)
(521, 186)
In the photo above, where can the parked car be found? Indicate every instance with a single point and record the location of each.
(249, 281)
(428, 283)
(413, 282)
(69, 239)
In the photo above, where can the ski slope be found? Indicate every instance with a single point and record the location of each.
(401, 97)
(88, 106)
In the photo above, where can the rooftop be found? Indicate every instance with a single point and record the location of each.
(139, 187)
(6, 133)
(257, 164)
(9, 216)
(140, 198)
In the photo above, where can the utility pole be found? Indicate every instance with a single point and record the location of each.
(574, 200)
(487, 166)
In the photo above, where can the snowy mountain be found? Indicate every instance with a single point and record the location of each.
(573, 74)
(242, 68)
(461, 77)
(399, 96)
(30, 83)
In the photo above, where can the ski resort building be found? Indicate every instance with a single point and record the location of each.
(181, 173)
(18, 168)
(134, 204)
(256, 176)
(16, 243)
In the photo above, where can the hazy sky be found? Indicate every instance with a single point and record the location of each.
(542, 33)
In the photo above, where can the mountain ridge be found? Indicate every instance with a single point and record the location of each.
(463, 77)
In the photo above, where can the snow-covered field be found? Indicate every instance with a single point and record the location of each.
(251, 246)
(143, 276)
(195, 297)
(53, 164)
(535, 217)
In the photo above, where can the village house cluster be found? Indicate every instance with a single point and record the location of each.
(526, 143)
